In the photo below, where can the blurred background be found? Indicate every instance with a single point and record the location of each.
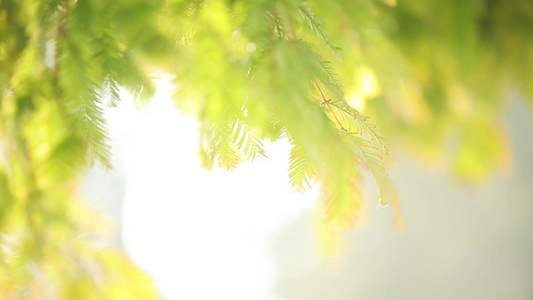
(243, 234)
(448, 83)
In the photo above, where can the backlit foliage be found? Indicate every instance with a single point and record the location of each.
(307, 71)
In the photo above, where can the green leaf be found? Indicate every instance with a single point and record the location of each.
(316, 26)
(301, 172)
(247, 141)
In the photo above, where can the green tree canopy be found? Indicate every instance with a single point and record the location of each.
(432, 74)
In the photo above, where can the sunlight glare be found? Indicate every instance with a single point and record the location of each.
(200, 234)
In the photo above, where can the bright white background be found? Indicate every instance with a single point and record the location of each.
(200, 234)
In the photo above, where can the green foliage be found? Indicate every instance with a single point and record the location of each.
(309, 71)
(56, 57)
(316, 26)
(300, 171)
(248, 142)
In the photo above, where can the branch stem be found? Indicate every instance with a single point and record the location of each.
(326, 102)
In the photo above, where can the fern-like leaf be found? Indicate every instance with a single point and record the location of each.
(300, 171)
(216, 143)
(322, 70)
(77, 80)
(316, 25)
(229, 142)
(111, 90)
(375, 163)
(364, 125)
(228, 154)
(341, 192)
(247, 141)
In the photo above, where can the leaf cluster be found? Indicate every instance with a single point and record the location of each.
(311, 72)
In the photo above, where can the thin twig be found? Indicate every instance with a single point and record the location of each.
(326, 102)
